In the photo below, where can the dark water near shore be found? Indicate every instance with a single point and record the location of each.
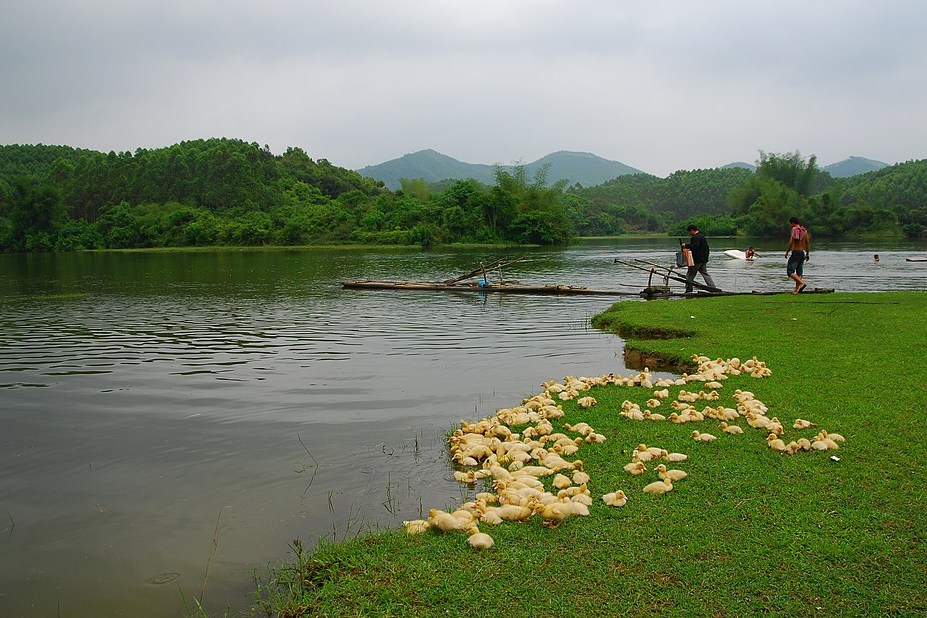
(153, 402)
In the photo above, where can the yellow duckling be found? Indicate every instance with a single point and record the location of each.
(775, 426)
(659, 487)
(466, 517)
(695, 415)
(731, 429)
(804, 444)
(828, 439)
(616, 498)
(486, 497)
(586, 402)
(801, 423)
(728, 414)
(536, 471)
(580, 477)
(465, 477)
(555, 513)
(491, 517)
(654, 403)
(774, 442)
(479, 540)
(671, 474)
(584, 499)
(634, 414)
(635, 468)
(757, 421)
(513, 512)
(582, 428)
(702, 437)
(653, 416)
(573, 491)
(416, 526)
(677, 457)
(561, 481)
(662, 394)
(444, 521)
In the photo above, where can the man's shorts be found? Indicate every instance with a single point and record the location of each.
(796, 263)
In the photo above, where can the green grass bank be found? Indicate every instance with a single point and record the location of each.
(750, 531)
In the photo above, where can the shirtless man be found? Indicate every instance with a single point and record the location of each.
(800, 246)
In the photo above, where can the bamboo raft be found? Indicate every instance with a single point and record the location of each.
(485, 286)
(508, 288)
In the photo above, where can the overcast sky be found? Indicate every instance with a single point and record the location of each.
(658, 85)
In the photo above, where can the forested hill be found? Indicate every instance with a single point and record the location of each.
(433, 167)
(853, 167)
(642, 201)
(230, 192)
(215, 173)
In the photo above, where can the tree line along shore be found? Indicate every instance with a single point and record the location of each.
(227, 192)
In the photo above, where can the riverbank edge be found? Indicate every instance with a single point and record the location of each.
(808, 341)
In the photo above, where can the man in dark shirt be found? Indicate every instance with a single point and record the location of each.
(699, 247)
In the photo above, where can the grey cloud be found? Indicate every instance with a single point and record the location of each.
(659, 85)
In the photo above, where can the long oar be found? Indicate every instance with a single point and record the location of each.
(483, 268)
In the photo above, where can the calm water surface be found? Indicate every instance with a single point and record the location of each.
(167, 413)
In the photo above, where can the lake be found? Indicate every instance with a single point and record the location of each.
(170, 421)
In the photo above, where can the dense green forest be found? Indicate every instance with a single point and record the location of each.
(229, 192)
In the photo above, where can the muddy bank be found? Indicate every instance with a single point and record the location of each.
(639, 359)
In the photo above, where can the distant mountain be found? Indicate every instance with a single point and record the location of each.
(574, 167)
(584, 168)
(427, 164)
(840, 169)
(853, 166)
(739, 164)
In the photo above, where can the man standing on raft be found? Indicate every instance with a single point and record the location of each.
(699, 247)
(800, 246)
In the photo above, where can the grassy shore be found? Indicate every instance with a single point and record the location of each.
(750, 531)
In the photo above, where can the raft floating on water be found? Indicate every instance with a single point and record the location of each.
(508, 288)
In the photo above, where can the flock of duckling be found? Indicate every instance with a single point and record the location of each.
(513, 463)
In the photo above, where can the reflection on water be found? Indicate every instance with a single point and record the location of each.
(153, 401)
